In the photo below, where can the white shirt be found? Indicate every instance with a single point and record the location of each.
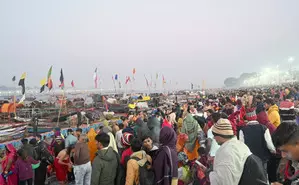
(214, 144)
(229, 163)
(118, 135)
(267, 137)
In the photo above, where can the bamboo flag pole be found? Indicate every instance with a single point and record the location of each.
(14, 98)
(60, 109)
(63, 94)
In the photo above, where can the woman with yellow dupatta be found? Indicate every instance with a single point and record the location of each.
(92, 143)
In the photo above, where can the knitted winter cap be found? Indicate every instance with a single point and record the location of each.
(287, 111)
(126, 139)
(251, 114)
(223, 127)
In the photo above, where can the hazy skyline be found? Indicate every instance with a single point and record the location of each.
(187, 41)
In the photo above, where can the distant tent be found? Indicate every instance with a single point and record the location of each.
(8, 108)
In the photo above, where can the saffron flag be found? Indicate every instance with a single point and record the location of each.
(14, 78)
(43, 84)
(49, 79)
(95, 78)
(61, 79)
(164, 81)
(134, 71)
(72, 83)
(22, 82)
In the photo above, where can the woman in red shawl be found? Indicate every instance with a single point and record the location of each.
(8, 164)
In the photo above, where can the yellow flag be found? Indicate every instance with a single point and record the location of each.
(43, 81)
(23, 76)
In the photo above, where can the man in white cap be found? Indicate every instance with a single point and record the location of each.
(230, 157)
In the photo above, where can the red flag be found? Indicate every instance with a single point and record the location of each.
(72, 83)
(128, 79)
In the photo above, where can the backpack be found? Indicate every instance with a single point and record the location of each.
(120, 172)
(253, 172)
(146, 176)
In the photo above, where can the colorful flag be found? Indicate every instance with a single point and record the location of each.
(43, 84)
(116, 77)
(95, 78)
(49, 79)
(61, 79)
(72, 83)
(164, 81)
(14, 78)
(22, 82)
(134, 71)
(128, 79)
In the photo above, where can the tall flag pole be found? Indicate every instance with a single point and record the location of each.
(49, 79)
(22, 84)
(43, 84)
(151, 84)
(95, 78)
(113, 79)
(61, 79)
(14, 98)
(157, 76)
(163, 82)
(147, 84)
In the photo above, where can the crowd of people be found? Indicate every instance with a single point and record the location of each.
(236, 137)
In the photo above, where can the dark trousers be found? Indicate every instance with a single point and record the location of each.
(28, 181)
(40, 174)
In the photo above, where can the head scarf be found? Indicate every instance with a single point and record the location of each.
(168, 137)
(11, 154)
(92, 143)
(166, 162)
(190, 127)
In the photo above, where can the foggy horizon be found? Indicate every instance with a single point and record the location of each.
(187, 42)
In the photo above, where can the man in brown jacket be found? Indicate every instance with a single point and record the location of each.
(82, 165)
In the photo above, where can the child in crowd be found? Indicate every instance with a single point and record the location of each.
(23, 168)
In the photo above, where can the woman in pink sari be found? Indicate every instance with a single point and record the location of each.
(8, 164)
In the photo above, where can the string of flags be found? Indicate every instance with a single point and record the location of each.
(48, 82)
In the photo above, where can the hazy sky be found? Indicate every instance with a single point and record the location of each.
(187, 41)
